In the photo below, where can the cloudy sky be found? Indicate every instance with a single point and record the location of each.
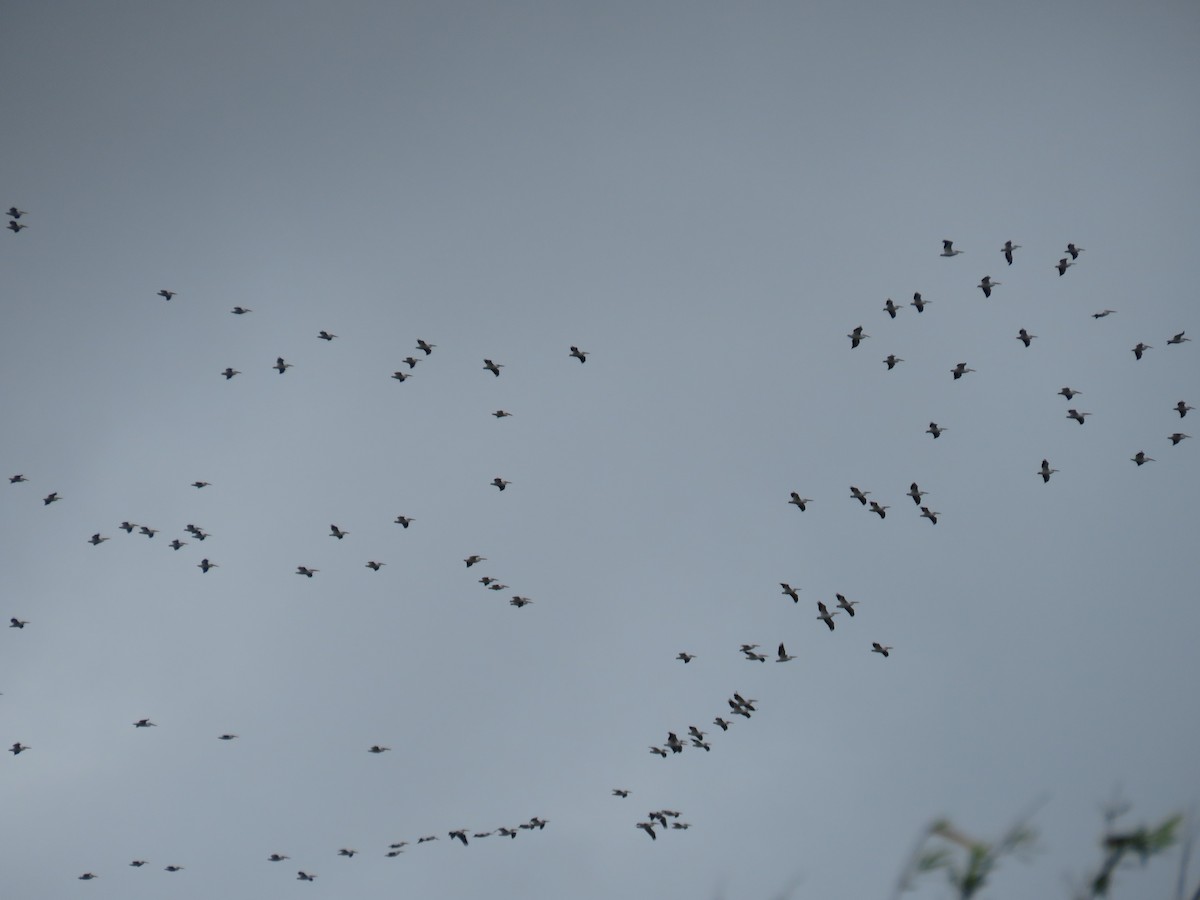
(705, 197)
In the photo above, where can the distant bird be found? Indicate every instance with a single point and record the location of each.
(18, 748)
(1178, 339)
(783, 655)
(172, 868)
(486, 580)
(519, 601)
(790, 591)
(649, 829)
(880, 509)
(326, 336)
(50, 498)
(659, 751)
(347, 852)
(1140, 349)
(960, 370)
(424, 839)
(935, 429)
(751, 656)
(620, 792)
(704, 745)
(877, 647)
(240, 310)
(1182, 408)
(507, 832)
(376, 748)
(411, 361)
(1069, 393)
(205, 565)
(304, 876)
(500, 482)
(473, 559)
(426, 346)
(916, 493)
(14, 622)
(16, 479)
(87, 876)
(144, 723)
(14, 213)
(685, 656)
(1008, 249)
(226, 737)
(580, 355)
(1025, 337)
(948, 249)
(306, 571)
(673, 743)
(95, 540)
(825, 615)
(927, 513)
(492, 367)
(277, 857)
(986, 285)
(847, 605)
(461, 834)
(1103, 313)
(501, 414)
(890, 308)
(336, 532)
(138, 863)
(16, 227)
(1063, 265)
(281, 366)
(1141, 458)
(200, 484)
(1077, 415)
(401, 376)
(919, 303)
(1045, 471)
(857, 336)
(746, 648)
(1177, 437)
(176, 544)
(148, 531)
(375, 566)
(403, 521)
(165, 294)
(891, 359)
(230, 372)
(1074, 251)
(860, 496)
(721, 723)
(801, 502)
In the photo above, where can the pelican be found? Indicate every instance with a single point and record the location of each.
(424, 839)
(16, 227)
(1077, 415)
(704, 745)
(927, 513)
(277, 857)
(14, 622)
(673, 743)
(1045, 471)
(1008, 249)
(1178, 339)
(500, 482)
(935, 429)
(376, 748)
(50, 498)
(240, 310)
(177, 544)
(96, 540)
(790, 591)
(847, 605)
(1182, 408)
(281, 366)
(620, 792)
(659, 751)
(148, 531)
(1063, 265)
(165, 294)
(877, 508)
(1140, 349)
(200, 484)
(1177, 437)
(986, 285)
(306, 571)
(501, 414)
(404, 521)
(486, 580)
(799, 501)
(16, 479)
(825, 615)
(144, 723)
(473, 559)
(172, 868)
(497, 586)
(204, 565)
(326, 336)
(492, 367)
(507, 832)
(660, 817)
(721, 723)
(481, 834)
(461, 834)
(18, 748)
(230, 372)
(682, 826)
(916, 493)
(580, 355)
(401, 376)
(14, 213)
(877, 647)
(1074, 251)
(519, 601)
(1069, 392)
(919, 303)
(685, 656)
(891, 361)
(1103, 313)
(226, 737)
(198, 533)
(857, 336)
(87, 876)
(1025, 337)
(304, 876)
(783, 656)
(649, 829)
(960, 370)
(336, 532)
(746, 648)
(696, 732)
(890, 308)
(375, 566)
(948, 249)
(1141, 458)
(347, 852)
(751, 656)
(860, 496)
(426, 346)
(138, 863)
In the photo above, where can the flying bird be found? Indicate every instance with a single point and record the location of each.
(1140, 349)
(799, 501)
(916, 493)
(891, 308)
(426, 346)
(1074, 251)
(87, 876)
(14, 622)
(347, 852)
(144, 723)
(230, 372)
(148, 531)
(1045, 471)
(326, 336)
(790, 591)
(1178, 339)
(783, 655)
(960, 370)
(165, 294)
(659, 751)
(878, 508)
(50, 498)
(95, 540)
(500, 482)
(204, 565)
(948, 249)
(1141, 458)
(1025, 337)
(847, 605)
(857, 336)
(1008, 249)
(919, 303)
(891, 361)
(281, 366)
(304, 876)
(935, 429)
(1069, 392)
(986, 285)
(411, 361)
(685, 656)
(877, 647)
(240, 310)
(14, 213)
(473, 559)
(401, 376)
(18, 748)
(1177, 437)
(519, 601)
(200, 484)
(226, 737)
(501, 414)
(492, 367)
(1077, 415)
(404, 521)
(172, 868)
(1103, 313)
(825, 615)
(648, 828)
(336, 532)
(1063, 265)
(721, 723)
(177, 544)
(580, 355)
(377, 748)
(1182, 408)
(16, 479)
(277, 857)
(306, 571)
(860, 496)
(16, 227)
(375, 566)
(138, 863)
(620, 792)
(927, 513)
(461, 834)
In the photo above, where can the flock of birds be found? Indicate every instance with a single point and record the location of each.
(662, 820)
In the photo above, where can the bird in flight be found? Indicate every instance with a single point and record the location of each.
(859, 495)
(336, 532)
(401, 376)
(200, 484)
(426, 346)
(948, 249)
(95, 540)
(14, 213)
(473, 559)
(790, 591)
(1074, 251)
(306, 571)
(1025, 337)
(1182, 408)
(685, 656)
(1069, 392)
(1103, 313)
(960, 370)
(281, 366)
(18, 748)
(620, 792)
(857, 336)
(1178, 339)
(1177, 437)
(15, 227)
(14, 622)
(519, 601)
(916, 493)
(240, 310)
(1008, 249)
(377, 748)
(230, 372)
(375, 566)
(278, 857)
(144, 723)
(783, 655)
(1141, 458)
(986, 285)
(891, 308)
(580, 355)
(1077, 415)
(305, 876)
(935, 429)
(1045, 471)
(825, 615)
(879, 648)
(919, 303)
(492, 367)
(404, 521)
(500, 482)
(847, 605)
(50, 498)
(880, 509)
(326, 335)
(226, 737)
(501, 414)
(165, 294)
(799, 501)
(1063, 265)
(16, 479)
(890, 361)
(1140, 349)
(204, 565)
(927, 513)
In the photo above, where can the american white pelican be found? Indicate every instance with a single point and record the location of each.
(95, 540)
(281, 366)
(1074, 251)
(204, 565)
(1025, 337)
(18, 748)
(847, 605)
(935, 429)
(200, 484)
(1178, 339)
(50, 498)
(1177, 437)
(783, 655)
(177, 544)
(426, 346)
(648, 828)
(1182, 408)
(347, 852)
(226, 737)
(326, 335)
(927, 513)
(518, 601)
(986, 285)
(473, 559)
(277, 857)
(401, 376)
(685, 656)
(306, 571)
(16, 479)
(1008, 249)
(890, 308)
(492, 367)
(14, 213)
(461, 834)
(14, 622)
(138, 863)
(165, 294)
(857, 336)
(148, 531)
(890, 361)
(305, 876)
(501, 414)
(916, 493)
(825, 615)
(1045, 471)
(1063, 265)
(948, 249)
(16, 227)
(144, 723)
(1069, 392)
(620, 792)
(1140, 349)
(500, 483)
(721, 723)
(241, 310)
(860, 496)
(877, 647)
(790, 591)
(230, 372)
(411, 361)
(799, 501)
(172, 868)
(1141, 458)
(880, 509)
(336, 532)
(919, 303)
(580, 355)
(1077, 415)
(1103, 313)
(960, 370)
(375, 566)
(403, 521)
(87, 876)
(659, 751)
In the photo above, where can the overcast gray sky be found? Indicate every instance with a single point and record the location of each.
(706, 197)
